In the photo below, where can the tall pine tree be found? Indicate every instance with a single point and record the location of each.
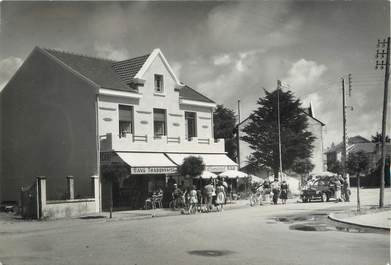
(261, 131)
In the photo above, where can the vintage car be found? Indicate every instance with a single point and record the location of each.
(319, 187)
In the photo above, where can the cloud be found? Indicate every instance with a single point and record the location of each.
(8, 67)
(176, 67)
(222, 59)
(107, 51)
(250, 25)
(305, 75)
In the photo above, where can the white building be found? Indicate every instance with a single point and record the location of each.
(132, 121)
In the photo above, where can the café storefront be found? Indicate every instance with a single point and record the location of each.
(134, 176)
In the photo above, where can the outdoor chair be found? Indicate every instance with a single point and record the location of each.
(157, 200)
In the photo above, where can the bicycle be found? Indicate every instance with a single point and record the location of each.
(255, 198)
(177, 203)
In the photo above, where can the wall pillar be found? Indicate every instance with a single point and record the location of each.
(70, 188)
(41, 196)
(96, 192)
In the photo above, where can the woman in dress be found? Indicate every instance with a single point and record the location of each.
(193, 200)
(220, 199)
(284, 192)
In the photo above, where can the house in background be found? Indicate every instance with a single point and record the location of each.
(130, 121)
(355, 144)
(315, 126)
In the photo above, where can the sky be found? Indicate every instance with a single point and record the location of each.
(226, 50)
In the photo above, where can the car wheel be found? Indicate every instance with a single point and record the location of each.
(324, 197)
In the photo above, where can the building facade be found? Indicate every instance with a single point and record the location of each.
(355, 144)
(129, 122)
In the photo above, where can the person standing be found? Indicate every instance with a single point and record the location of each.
(208, 193)
(193, 199)
(345, 189)
(276, 191)
(337, 188)
(266, 190)
(220, 197)
(284, 191)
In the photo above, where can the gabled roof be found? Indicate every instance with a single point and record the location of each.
(355, 140)
(129, 68)
(99, 71)
(187, 92)
(117, 75)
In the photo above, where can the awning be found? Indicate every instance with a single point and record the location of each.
(213, 162)
(148, 163)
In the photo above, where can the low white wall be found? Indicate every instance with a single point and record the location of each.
(68, 208)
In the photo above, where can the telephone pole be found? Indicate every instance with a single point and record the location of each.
(344, 129)
(380, 53)
(279, 126)
(238, 136)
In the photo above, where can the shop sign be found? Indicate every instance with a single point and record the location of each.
(220, 168)
(152, 170)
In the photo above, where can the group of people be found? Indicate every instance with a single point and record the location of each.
(213, 194)
(341, 189)
(275, 190)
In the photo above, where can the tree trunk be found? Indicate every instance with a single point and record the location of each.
(358, 192)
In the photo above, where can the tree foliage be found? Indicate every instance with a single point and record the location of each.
(302, 166)
(334, 166)
(377, 138)
(224, 126)
(261, 132)
(357, 163)
(192, 166)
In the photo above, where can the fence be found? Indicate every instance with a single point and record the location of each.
(35, 205)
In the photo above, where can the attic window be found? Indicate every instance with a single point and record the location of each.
(159, 85)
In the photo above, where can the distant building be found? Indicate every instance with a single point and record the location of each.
(355, 144)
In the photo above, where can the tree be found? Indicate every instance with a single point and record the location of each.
(357, 163)
(261, 131)
(377, 138)
(192, 166)
(224, 126)
(335, 166)
(302, 166)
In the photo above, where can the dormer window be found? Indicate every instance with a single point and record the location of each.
(159, 84)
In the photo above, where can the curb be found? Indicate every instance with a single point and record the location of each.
(150, 214)
(333, 218)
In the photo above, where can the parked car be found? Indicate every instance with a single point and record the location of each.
(8, 206)
(319, 188)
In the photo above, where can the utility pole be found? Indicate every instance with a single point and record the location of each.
(238, 136)
(380, 64)
(344, 129)
(279, 126)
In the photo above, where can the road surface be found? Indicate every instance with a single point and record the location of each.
(263, 235)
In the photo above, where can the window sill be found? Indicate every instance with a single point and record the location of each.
(159, 94)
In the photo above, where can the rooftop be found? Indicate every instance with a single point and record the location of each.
(115, 75)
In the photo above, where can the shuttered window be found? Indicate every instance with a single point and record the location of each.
(125, 115)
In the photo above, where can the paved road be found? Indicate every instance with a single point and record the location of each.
(258, 235)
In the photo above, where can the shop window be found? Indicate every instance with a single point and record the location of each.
(190, 125)
(125, 114)
(159, 85)
(159, 122)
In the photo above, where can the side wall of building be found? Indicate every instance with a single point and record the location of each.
(49, 129)
(317, 153)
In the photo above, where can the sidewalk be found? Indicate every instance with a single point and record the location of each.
(372, 219)
(142, 214)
